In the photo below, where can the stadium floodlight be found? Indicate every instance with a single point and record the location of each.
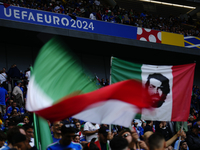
(170, 4)
(164, 3)
(156, 2)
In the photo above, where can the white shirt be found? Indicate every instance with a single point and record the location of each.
(92, 16)
(28, 74)
(32, 142)
(97, 2)
(90, 127)
(3, 77)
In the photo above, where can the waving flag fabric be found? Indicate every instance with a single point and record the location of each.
(60, 88)
(169, 87)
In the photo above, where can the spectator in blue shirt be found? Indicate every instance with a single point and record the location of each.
(3, 94)
(9, 110)
(112, 18)
(56, 131)
(141, 129)
(105, 16)
(68, 133)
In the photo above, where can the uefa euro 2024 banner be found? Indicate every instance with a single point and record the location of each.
(38, 17)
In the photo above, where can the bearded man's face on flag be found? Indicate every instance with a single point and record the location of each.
(158, 88)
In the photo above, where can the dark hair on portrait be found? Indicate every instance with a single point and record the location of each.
(164, 86)
(165, 82)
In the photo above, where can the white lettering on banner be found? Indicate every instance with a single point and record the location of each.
(24, 14)
(45, 18)
(5, 13)
(91, 26)
(31, 17)
(79, 24)
(16, 13)
(67, 21)
(39, 16)
(85, 26)
(74, 22)
(56, 20)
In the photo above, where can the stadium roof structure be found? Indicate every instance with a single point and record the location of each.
(159, 7)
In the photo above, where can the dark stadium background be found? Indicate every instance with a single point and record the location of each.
(20, 43)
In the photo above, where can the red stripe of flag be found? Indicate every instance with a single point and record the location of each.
(130, 91)
(183, 76)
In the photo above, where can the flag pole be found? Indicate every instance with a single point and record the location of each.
(35, 125)
(179, 140)
(110, 84)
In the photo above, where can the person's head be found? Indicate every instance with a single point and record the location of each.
(78, 125)
(4, 69)
(19, 141)
(11, 123)
(107, 80)
(156, 142)
(126, 134)
(13, 131)
(103, 133)
(29, 131)
(82, 127)
(10, 101)
(14, 104)
(6, 122)
(191, 118)
(14, 112)
(183, 145)
(19, 82)
(149, 122)
(76, 139)
(75, 120)
(57, 127)
(68, 132)
(146, 136)
(196, 129)
(26, 120)
(144, 124)
(91, 145)
(158, 88)
(2, 138)
(119, 143)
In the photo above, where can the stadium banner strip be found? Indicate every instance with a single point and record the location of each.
(197, 38)
(188, 37)
(45, 18)
(191, 45)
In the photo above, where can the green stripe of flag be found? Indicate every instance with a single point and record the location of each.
(123, 70)
(58, 73)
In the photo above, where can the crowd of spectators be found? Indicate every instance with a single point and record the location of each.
(16, 128)
(98, 10)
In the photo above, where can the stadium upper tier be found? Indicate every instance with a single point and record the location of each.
(73, 15)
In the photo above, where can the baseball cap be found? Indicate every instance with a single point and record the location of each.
(68, 128)
(104, 130)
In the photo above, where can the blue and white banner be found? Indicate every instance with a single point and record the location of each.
(45, 18)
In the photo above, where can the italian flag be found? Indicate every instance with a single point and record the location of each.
(60, 87)
(169, 87)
